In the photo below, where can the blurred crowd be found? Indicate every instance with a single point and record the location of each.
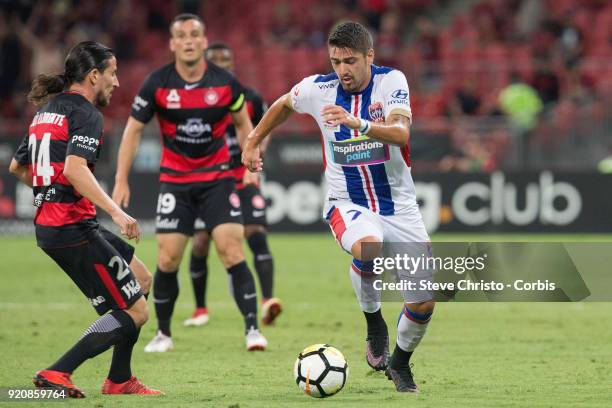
(485, 74)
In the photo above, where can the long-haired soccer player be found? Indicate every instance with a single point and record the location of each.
(57, 158)
(365, 109)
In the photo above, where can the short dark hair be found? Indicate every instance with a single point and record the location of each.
(184, 17)
(351, 35)
(82, 58)
(216, 46)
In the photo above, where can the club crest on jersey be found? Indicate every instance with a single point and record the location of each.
(376, 112)
(211, 97)
(173, 99)
(234, 200)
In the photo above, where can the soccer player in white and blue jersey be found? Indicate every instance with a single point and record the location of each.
(364, 115)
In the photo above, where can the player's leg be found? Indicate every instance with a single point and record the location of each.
(228, 240)
(198, 271)
(104, 277)
(219, 207)
(166, 288)
(419, 304)
(254, 213)
(359, 233)
(174, 225)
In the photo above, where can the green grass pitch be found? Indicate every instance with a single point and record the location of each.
(474, 355)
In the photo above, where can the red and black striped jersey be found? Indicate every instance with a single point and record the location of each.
(256, 108)
(66, 125)
(193, 119)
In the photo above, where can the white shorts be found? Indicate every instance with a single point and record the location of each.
(350, 222)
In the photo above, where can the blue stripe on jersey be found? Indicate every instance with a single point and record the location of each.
(379, 174)
(354, 184)
(326, 78)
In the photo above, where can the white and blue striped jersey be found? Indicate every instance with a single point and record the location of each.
(364, 171)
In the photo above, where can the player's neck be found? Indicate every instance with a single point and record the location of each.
(86, 92)
(191, 73)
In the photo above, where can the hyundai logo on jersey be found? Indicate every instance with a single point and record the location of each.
(359, 151)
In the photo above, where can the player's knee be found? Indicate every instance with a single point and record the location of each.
(168, 261)
(139, 312)
(367, 248)
(251, 229)
(142, 274)
(421, 311)
(200, 244)
(230, 252)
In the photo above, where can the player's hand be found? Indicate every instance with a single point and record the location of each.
(127, 225)
(250, 178)
(121, 193)
(335, 115)
(251, 156)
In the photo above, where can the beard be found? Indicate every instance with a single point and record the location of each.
(101, 100)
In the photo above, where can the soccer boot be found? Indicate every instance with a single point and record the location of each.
(160, 344)
(402, 378)
(58, 381)
(131, 386)
(198, 318)
(270, 309)
(255, 340)
(377, 351)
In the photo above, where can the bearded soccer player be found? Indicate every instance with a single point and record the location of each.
(194, 102)
(57, 160)
(371, 200)
(253, 211)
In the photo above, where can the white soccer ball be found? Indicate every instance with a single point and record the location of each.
(320, 370)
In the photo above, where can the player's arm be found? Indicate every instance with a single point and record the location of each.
(242, 123)
(22, 172)
(132, 134)
(82, 179)
(19, 164)
(394, 130)
(276, 115)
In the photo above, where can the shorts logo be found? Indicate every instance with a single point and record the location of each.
(258, 202)
(258, 213)
(376, 112)
(131, 289)
(235, 213)
(211, 97)
(173, 100)
(97, 301)
(199, 224)
(166, 223)
(400, 94)
(234, 200)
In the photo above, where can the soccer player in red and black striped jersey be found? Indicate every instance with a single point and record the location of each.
(194, 102)
(57, 159)
(253, 211)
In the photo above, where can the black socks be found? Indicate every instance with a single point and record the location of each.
(262, 259)
(109, 330)
(376, 324)
(243, 290)
(165, 293)
(400, 358)
(198, 269)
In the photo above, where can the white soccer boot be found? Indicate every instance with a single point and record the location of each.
(255, 340)
(160, 344)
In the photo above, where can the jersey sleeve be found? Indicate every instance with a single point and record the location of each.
(301, 95)
(84, 134)
(237, 101)
(21, 155)
(259, 108)
(396, 95)
(143, 107)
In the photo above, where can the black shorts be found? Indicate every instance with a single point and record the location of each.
(212, 204)
(100, 269)
(253, 205)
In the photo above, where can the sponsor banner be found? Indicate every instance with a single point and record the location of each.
(498, 202)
